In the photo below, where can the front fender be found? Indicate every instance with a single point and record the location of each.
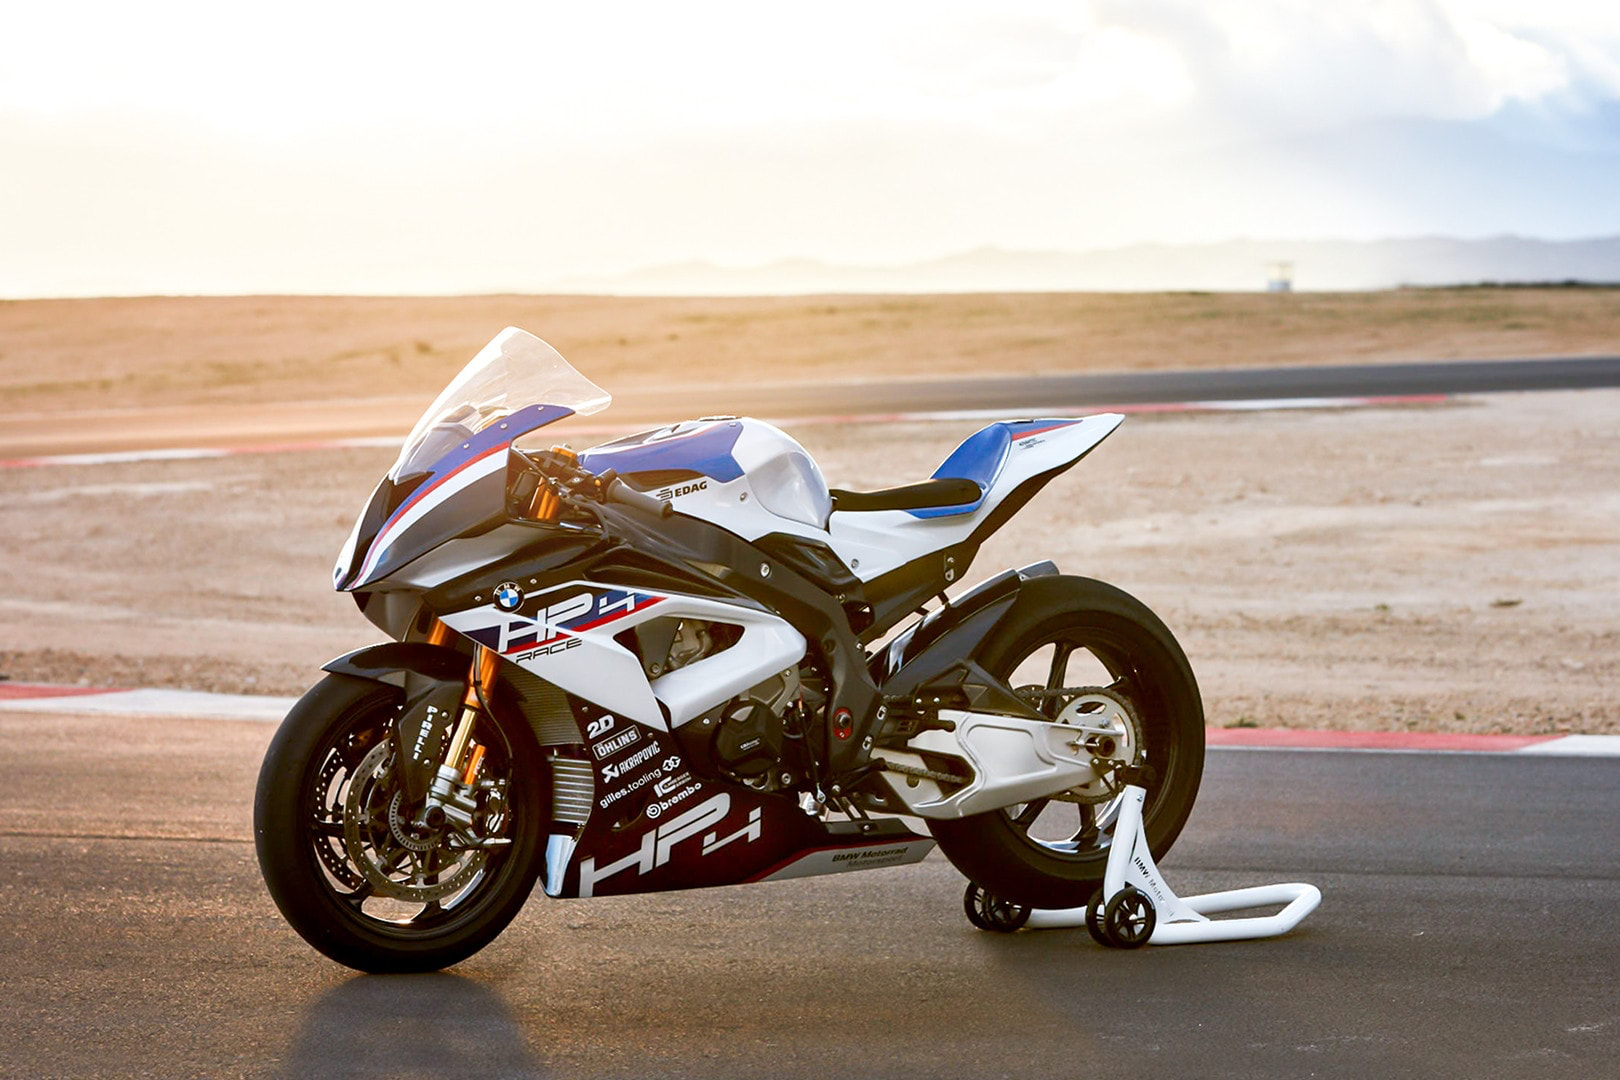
(951, 633)
(434, 678)
(390, 661)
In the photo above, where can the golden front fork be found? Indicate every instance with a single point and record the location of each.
(439, 633)
(445, 799)
(545, 505)
(480, 684)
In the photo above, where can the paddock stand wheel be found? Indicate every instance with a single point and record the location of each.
(1094, 917)
(1128, 918)
(990, 912)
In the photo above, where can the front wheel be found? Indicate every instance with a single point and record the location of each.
(346, 862)
(1068, 645)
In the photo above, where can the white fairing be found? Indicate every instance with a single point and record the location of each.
(782, 475)
(758, 479)
(570, 643)
(873, 542)
(775, 487)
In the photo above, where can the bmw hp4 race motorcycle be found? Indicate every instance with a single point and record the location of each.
(676, 660)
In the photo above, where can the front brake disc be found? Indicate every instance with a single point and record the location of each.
(396, 862)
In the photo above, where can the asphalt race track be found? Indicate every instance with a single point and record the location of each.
(1468, 928)
(389, 418)
(1035, 392)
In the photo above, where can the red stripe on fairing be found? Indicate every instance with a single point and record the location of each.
(532, 644)
(416, 499)
(1044, 430)
(575, 631)
(604, 620)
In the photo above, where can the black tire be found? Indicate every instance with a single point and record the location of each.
(324, 894)
(1094, 924)
(1128, 919)
(988, 911)
(1140, 655)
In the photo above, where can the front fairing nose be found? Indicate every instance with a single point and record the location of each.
(449, 478)
(385, 499)
(463, 492)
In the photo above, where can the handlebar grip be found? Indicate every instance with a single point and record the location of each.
(620, 492)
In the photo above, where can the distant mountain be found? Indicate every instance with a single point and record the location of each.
(1237, 265)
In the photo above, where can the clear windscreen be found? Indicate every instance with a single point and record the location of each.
(514, 370)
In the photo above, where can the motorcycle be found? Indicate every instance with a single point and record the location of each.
(672, 661)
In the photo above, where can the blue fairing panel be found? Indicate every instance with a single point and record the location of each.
(706, 450)
(981, 458)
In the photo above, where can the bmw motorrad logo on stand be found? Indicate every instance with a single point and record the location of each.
(508, 597)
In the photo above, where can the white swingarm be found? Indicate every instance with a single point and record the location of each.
(1011, 760)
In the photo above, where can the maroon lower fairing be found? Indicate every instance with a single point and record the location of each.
(656, 827)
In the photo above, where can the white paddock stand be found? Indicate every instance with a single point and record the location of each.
(1135, 907)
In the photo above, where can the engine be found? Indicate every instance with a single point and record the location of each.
(756, 738)
(751, 732)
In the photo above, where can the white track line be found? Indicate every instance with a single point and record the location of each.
(188, 704)
(1577, 745)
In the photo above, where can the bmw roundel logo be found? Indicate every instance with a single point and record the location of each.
(508, 597)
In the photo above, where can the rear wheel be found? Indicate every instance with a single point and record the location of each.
(1083, 651)
(342, 854)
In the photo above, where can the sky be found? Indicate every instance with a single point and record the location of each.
(350, 146)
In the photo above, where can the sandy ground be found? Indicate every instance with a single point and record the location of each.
(67, 355)
(1450, 568)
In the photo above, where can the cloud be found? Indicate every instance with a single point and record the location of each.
(411, 146)
(1295, 63)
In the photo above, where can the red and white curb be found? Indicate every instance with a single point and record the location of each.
(121, 457)
(193, 704)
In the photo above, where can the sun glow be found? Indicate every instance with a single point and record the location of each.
(505, 145)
